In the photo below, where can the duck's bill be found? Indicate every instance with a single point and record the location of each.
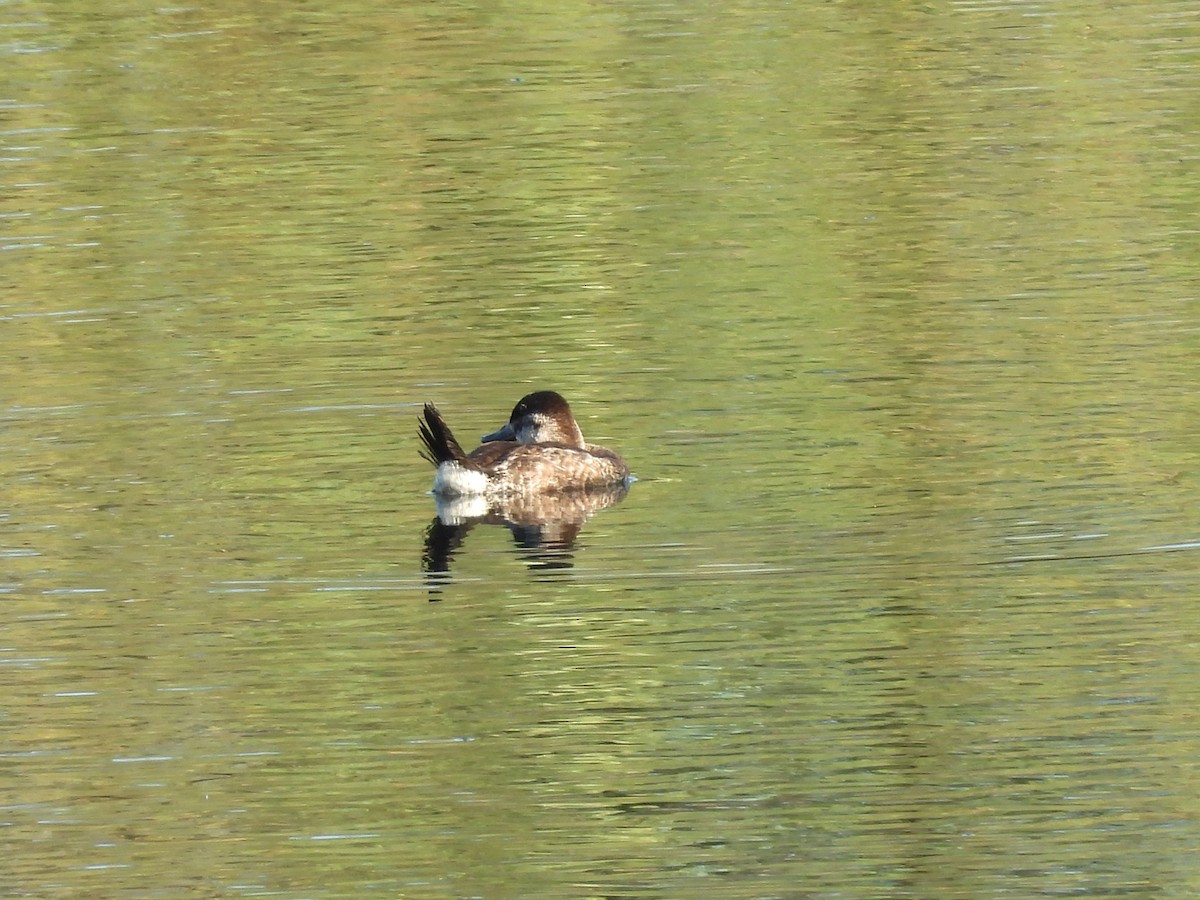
(504, 434)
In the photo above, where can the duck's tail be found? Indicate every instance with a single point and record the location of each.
(440, 445)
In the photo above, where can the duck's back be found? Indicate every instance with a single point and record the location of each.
(554, 467)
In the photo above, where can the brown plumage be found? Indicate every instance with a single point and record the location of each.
(540, 449)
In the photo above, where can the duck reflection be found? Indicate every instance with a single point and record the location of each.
(544, 526)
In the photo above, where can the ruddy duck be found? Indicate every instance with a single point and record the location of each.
(540, 449)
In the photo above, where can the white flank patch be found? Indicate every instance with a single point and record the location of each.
(452, 480)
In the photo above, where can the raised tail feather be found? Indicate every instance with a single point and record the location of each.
(440, 445)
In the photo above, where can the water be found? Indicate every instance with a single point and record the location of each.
(891, 310)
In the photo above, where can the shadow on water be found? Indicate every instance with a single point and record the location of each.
(543, 526)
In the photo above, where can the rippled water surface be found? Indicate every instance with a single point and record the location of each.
(892, 309)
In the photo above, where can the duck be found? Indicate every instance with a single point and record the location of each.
(540, 449)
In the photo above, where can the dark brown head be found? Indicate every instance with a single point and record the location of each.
(542, 417)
